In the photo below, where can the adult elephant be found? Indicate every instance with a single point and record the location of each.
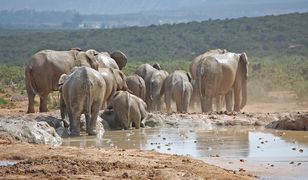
(45, 68)
(145, 69)
(136, 84)
(115, 60)
(128, 109)
(82, 92)
(177, 87)
(219, 74)
(195, 99)
(115, 81)
(154, 82)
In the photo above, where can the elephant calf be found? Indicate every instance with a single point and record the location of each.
(177, 87)
(128, 109)
(82, 92)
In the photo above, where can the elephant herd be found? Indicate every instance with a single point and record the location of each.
(90, 81)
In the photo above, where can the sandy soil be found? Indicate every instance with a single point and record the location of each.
(46, 162)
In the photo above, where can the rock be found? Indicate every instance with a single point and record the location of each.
(298, 122)
(52, 121)
(30, 131)
(108, 120)
(63, 132)
(18, 97)
(153, 120)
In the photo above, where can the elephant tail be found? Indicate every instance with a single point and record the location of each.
(88, 87)
(151, 90)
(30, 85)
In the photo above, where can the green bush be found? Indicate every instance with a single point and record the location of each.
(3, 101)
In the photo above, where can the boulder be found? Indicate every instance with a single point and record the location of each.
(297, 122)
(30, 131)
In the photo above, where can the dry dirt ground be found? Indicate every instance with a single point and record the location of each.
(46, 162)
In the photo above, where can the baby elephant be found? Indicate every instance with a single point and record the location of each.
(177, 87)
(82, 92)
(128, 109)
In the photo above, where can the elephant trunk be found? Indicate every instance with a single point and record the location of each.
(244, 93)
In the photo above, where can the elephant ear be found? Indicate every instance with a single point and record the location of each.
(91, 59)
(156, 66)
(61, 81)
(189, 76)
(245, 62)
(120, 58)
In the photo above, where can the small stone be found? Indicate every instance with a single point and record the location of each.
(298, 164)
(293, 149)
(158, 147)
(242, 170)
(164, 138)
(272, 165)
(292, 162)
(301, 150)
(241, 160)
(169, 149)
(125, 175)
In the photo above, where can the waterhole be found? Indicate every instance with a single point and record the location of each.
(265, 152)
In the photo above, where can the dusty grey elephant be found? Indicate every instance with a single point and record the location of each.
(195, 99)
(44, 70)
(177, 87)
(115, 80)
(153, 84)
(82, 92)
(128, 109)
(115, 60)
(219, 74)
(137, 85)
(144, 69)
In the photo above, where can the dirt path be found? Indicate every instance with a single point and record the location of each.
(40, 161)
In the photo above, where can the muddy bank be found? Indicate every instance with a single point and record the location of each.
(41, 161)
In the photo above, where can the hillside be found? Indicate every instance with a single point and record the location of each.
(261, 36)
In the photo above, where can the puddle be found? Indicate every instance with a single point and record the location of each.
(222, 146)
(7, 163)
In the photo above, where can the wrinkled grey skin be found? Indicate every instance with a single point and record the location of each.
(177, 87)
(128, 109)
(145, 69)
(82, 92)
(115, 60)
(115, 81)
(219, 74)
(44, 70)
(136, 84)
(195, 99)
(154, 83)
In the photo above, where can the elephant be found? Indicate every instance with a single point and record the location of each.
(137, 85)
(223, 74)
(81, 92)
(115, 60)
(145, 69)
(195, 99)
(153, 83)
(115, 80)
(128, 109)
(44, 69)
(177, 87)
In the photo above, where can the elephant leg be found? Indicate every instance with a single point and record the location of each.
(168, 102)
(203, 104)
(186, 102)
(74, 123)
(94, 114)
(31, 97)
(137, 120)
(218, 103)
(208, 104)
(88, 119)
(43, 103)
(237, 92)
(228, 99)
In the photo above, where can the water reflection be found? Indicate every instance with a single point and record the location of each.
(202, 142)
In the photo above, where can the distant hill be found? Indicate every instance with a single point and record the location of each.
(123, 13)
(261, 36)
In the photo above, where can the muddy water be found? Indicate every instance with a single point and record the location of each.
(264, 152)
